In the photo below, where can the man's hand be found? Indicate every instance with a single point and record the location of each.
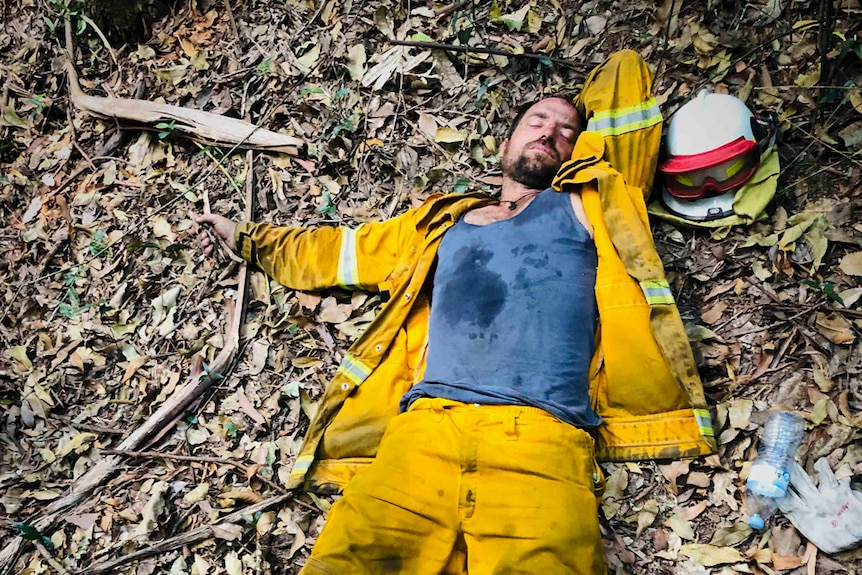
(223, 229)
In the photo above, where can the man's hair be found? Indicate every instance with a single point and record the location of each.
(522, 109)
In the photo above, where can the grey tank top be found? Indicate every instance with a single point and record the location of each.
(513, 313)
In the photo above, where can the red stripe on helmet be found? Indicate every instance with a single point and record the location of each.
(679, 164)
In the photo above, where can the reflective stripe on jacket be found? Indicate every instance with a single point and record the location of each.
(644, 383)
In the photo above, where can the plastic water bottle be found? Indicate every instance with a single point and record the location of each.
(769, 477)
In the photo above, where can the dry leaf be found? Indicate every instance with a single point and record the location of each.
(332, 312)
(78, 444)
(259, 355)
(153, 509)
(851, 264)
(248, 408)
(19, 354)
(646, 516)
(244, 495)
(680, 526)
(447, 135)
(835, 328)
(227, 531)
(356, 61)
(232, 563)
(197, 494)
(427, 125)
(739, 413)
(713, 314)
(710, 555)
(730, 536)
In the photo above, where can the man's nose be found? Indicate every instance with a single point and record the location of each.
(548, 139)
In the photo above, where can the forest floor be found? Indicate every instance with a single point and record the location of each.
(106, 298)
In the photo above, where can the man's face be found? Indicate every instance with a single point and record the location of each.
(541, 142)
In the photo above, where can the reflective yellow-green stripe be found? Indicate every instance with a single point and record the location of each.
(657, 292)
(348, 272)
(302, 465)
(623, 120)
(704, 422)
(353, 369)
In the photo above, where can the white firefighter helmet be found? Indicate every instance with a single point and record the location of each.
(712, 152)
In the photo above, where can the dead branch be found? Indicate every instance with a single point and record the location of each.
(213, 128)
(210, 127)
(190, 537)
(158, 423)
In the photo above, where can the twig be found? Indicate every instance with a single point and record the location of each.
(159, 422)
(446, 10)
(201, 179)
(190, 537)
(782, 351)
(219, 166)
(197, 458)
(762, 44)
(75, 138)
(107, 44)
(46, 555)
(779, 323)
(86, 426)
(824, 34)
(4, 96)
(830, 147)
(493, 51)
(206, 197)
(232, 21)
(309, 22)
(670, 16)
(795, 87)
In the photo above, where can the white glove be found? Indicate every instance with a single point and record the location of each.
(831, 516)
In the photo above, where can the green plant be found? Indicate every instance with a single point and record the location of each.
(327, 207)
(71, 304)
(264, 67)
(72, 12)
(99, 244)
(826, 288)
(38, 102)
(167, 128)
(461, 185)
(348, 124)
(30, 533)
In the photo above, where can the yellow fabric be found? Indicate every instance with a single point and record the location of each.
(749, 201)
(643, 383)
(617, 103)
(460, 489)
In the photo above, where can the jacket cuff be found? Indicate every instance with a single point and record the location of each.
(245, 245)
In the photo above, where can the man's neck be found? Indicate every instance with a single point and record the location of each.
(513, 191)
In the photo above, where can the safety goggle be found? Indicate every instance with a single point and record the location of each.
(714, 180)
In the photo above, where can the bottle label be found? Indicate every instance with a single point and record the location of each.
(768, 481)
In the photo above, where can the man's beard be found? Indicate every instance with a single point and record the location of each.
(531, 173)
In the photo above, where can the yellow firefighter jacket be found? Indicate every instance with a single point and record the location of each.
(644, 382)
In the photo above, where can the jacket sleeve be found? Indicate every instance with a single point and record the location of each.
(617, 102)
(319, 258)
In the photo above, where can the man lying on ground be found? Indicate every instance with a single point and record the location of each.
(523, 337)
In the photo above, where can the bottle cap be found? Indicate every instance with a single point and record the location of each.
(756, 521)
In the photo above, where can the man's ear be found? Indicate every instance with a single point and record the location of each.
(504, 146)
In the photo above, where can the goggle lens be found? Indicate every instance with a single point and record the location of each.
(715, 179)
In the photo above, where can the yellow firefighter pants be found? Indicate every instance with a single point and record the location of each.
(459, 488)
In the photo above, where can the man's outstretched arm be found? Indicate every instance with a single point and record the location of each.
(311, 259)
